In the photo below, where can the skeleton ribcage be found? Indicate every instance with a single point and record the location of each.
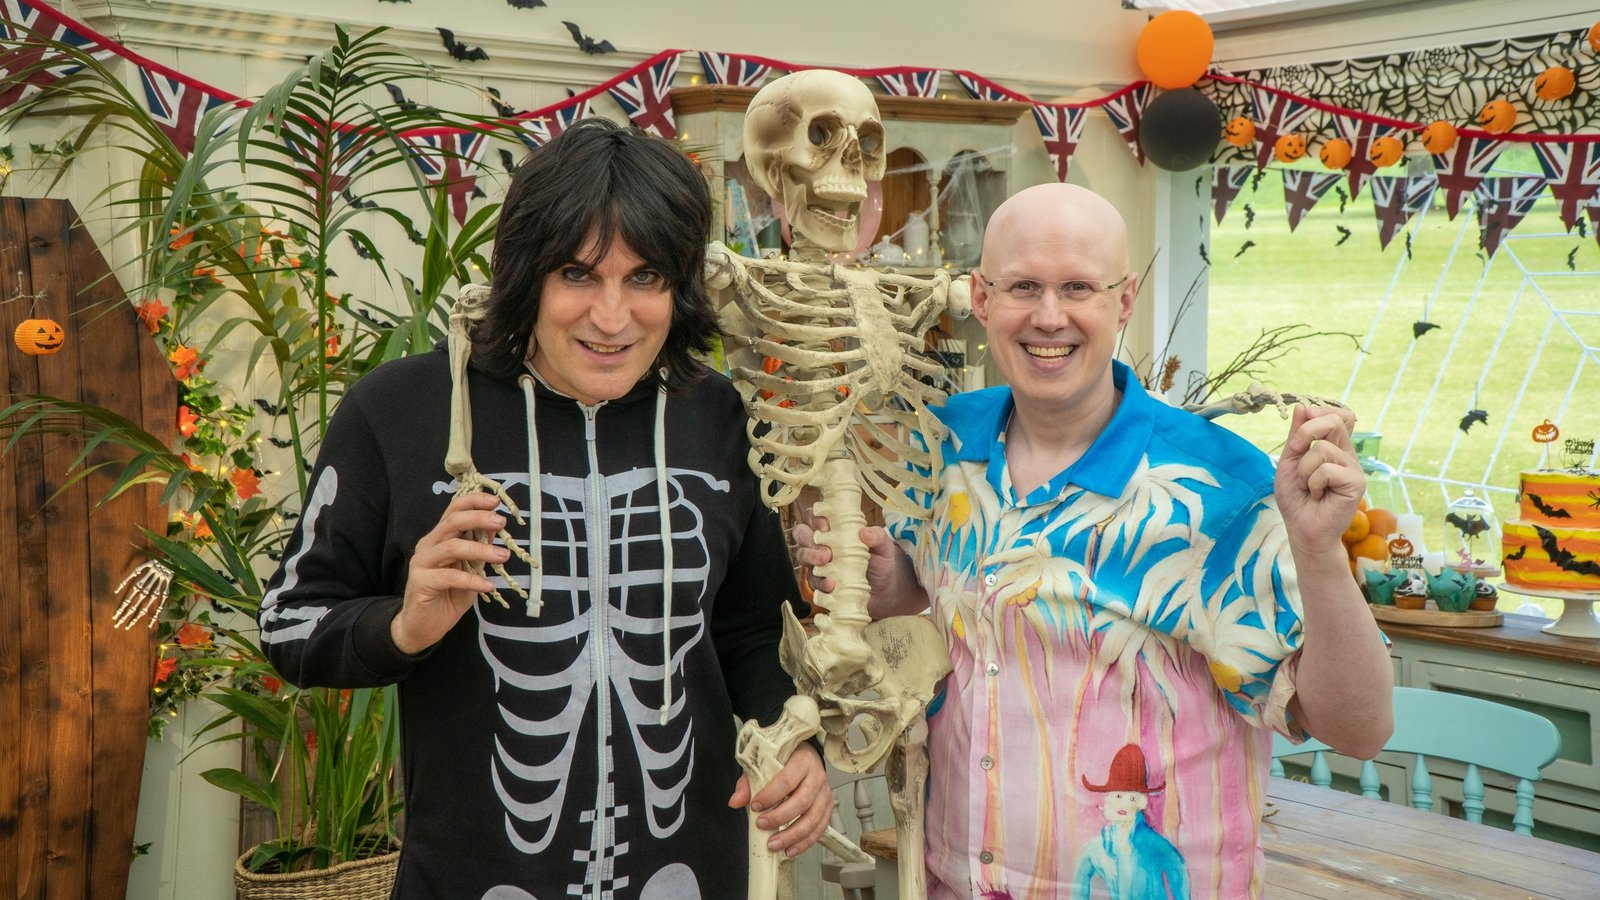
(829, 361)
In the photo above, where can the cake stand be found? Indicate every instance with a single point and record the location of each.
(1577, 620)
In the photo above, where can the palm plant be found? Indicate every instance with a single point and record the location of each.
(263, 278)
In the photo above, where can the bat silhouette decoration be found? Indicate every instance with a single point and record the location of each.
(525, 4)
(1471, 526)
(1563, 558)
(1473, 417)
(1243, 247)
(1520, 552)
(507, 160)
(1418, 329)
(585, 43)
(1344, 234)
(500, 106)
(459, 50)
(1547, 509)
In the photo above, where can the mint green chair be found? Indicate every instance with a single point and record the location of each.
(1458, 728)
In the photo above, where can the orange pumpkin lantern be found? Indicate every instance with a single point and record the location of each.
(1289, 148)
(1546, 433)
(1554, 83)
(39, 337)
(1335, 154)
(1241, 132)
(1438, 137)
(1386, 151)
(1174, 49)
(1497, 116)
(1594, 37)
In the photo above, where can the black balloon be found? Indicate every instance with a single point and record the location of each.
(1180, 130)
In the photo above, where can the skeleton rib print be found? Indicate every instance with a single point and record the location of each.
(591, 656)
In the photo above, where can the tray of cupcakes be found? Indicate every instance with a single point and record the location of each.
(1404, 583)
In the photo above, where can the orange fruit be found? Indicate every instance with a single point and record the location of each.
(1362, 505)
(1370, 547)
(1381, 522)
(1357, 529)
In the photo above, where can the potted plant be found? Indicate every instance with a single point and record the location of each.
(320, 761)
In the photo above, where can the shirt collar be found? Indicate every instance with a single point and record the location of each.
(979, 430)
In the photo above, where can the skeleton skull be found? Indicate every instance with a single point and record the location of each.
(813, 140)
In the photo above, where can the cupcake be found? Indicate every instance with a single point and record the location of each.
(1411, 593)
(1484, 597)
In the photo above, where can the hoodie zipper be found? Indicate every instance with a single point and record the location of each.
(597, 525)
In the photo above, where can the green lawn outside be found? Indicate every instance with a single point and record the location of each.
(1416, 390)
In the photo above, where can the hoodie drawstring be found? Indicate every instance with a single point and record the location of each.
(665, 507)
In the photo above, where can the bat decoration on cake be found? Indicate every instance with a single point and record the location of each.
(1594, 499)
(1564, 558)
(1518, 554)
(1421, 327)
(1344, 234)
(588, 44)
(459, 50)
(1473, 417)
(1550, 512)
(1243, 247)
(1471, 526)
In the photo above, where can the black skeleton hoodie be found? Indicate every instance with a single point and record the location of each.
(539, 761)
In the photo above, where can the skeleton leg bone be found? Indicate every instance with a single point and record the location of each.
(761, 753)
(906, 771)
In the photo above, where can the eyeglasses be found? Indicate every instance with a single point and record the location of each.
(1027, 290)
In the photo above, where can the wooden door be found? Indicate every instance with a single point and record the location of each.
(73, 690)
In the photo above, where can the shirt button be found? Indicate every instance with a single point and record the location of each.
(992, 668)
(986, 857)
(988, 580)
(987, 762)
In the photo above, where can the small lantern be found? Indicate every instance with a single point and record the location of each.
(1241, 132)
(39, 337)
(1386, 151)
(1289, 148)
(1335, 153)
(1439, 137)
(1497, 116)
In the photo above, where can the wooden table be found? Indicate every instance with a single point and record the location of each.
(1324, 843)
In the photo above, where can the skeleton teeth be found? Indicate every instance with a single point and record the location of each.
(1047, 352)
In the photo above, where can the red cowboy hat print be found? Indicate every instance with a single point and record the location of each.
(1127, 774)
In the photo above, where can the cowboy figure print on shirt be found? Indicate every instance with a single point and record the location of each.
(1132, 859)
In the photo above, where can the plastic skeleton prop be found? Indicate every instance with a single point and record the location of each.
(829, 359)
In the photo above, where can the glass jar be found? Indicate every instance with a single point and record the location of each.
(1471, 534)
(1384, 490)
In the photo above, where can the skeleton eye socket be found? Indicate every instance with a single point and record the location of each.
(871, 142)
(822, 130)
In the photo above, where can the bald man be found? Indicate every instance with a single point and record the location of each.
(1112, 572)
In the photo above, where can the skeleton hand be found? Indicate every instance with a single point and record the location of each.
(440, 587)
(151, 582)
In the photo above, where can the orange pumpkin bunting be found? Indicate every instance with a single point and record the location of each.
(1554, 83)
(1386, 151)
(1289, 148)
(1335, 154)
(39, 337)
(1241, 132)
(1174, 49)
(1497, 116)
(1438, 137)
(1594, 37)
(1546, 433)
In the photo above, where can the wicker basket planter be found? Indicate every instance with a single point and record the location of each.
(362, 879)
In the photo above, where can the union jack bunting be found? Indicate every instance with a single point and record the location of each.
(1594, 219)
(726, 68)
(1302, 188)
(1126, 111)
(352, 149)
(1226, 181)
(1396, 199)
(1060, 126)
(24, 58)
(982, 88)
(534, 132)
(1276, 115)
(916, 83)
(1462, 167)
(644, 97)
(1360, 133)
(1502, 203)
(1574, 173)
(176, 105)
(453, 160)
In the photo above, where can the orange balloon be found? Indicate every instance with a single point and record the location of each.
(1289, 148)
(1438, 137)
(1497, 116)
(1241, 132)
(1335, 154)
(1174, 49)
(1554, 83)
(1386, 151)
